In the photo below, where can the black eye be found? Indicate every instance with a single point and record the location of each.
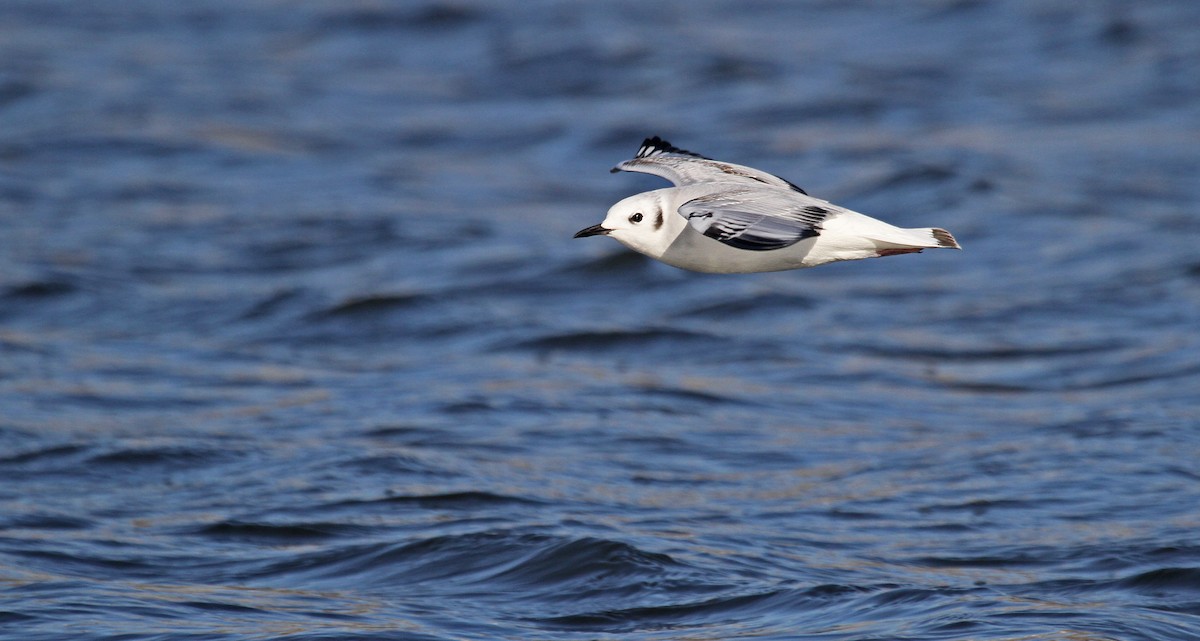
(636, 218)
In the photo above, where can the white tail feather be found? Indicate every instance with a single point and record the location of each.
(921, 238)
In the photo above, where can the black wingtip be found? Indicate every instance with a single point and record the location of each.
(654, 146)
(945, 238)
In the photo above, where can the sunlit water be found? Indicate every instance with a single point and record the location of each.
(295, 342)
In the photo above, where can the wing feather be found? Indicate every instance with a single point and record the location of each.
(660, 158)
(755, 219)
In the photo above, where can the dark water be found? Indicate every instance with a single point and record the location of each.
(295, 342)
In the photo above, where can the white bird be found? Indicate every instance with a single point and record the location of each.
(724, 218)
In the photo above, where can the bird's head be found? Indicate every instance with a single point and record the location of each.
(638, 222)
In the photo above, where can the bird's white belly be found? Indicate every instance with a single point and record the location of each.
(695, 251)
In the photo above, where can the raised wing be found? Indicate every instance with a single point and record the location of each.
(756, 219)
(682, 167)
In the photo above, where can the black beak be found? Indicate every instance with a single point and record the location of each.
(594, 230)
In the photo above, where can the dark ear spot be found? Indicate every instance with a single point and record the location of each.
(658, 220)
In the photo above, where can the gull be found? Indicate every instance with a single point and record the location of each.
(723, 218)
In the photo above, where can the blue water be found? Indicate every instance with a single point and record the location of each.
(295, 342)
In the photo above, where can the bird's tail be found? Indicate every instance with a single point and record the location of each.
(943, 238)
(904, 241)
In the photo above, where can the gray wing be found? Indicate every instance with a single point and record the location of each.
(661, 158)
(756, 219)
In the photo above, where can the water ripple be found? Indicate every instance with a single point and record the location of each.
(296, 343)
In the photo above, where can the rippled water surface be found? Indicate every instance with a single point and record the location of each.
(295, 342)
